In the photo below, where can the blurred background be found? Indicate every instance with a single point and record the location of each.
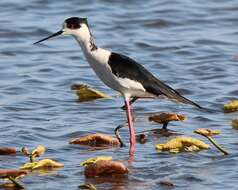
(190, 45)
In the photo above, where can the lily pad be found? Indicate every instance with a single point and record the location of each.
(42, 164)
(12, 175)
(105, 167)
(235, 124)
(6, 173)
(86, 93)
(40, 150)
(7, 150)
(95, 159)
(165, 117)
(207, 132)
(97, 139)
(87, 186)
(182, 143)
(231, 106)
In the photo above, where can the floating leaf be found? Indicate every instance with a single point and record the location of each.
(13, 185)
(97, 139)
(165, 117)
(45, 163)
(7, 150)
(6, 173)
(7, 186)
(235, 124)
(87, 186)
(28, 166)
(191, 148)
(207, 132)
(166, 183)
(105, 167)
(86, 93)
(141, 138)
(25, 151)
(40, 150)
(231, 106)
(179, 144)
(95, 159)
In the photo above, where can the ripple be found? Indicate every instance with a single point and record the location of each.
(190, 45)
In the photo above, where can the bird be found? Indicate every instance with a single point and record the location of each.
(119, 72)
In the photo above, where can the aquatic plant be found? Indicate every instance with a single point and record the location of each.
(41, 164)
(86, 93)
(235, 124)
(12, 175)
(7, 151)
(182, 143)
(103, 165)
(231, 106)
(166, 117)
(208, 133)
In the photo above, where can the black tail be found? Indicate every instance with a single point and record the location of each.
(162, 88)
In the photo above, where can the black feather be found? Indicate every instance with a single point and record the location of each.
(125, 67)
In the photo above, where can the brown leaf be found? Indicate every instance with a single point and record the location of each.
(7, 150)
(105, 167)
(235, 124)
(166, 183)
(40, 150)
(141, 138)
(47, 163)
(207, 132)
(5, 173)
(86, 93)
(94, 160)
(231, 106)
(182, 143)
(165, 117)
(97, 139)
(25, 151)
(87, 186)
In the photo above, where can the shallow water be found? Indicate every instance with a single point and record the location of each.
(190, 45)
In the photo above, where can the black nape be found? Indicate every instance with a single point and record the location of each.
(75, 22)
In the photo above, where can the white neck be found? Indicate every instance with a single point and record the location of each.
(85, 40)
(96, 57)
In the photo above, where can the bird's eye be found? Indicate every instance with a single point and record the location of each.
(73, 25)
(70, 26)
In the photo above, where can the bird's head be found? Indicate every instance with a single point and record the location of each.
(75, 26)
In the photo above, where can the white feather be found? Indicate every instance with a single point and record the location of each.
(98, 60)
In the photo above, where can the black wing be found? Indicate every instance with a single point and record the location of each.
(125, 67)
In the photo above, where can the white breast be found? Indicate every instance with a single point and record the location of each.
(98, 60)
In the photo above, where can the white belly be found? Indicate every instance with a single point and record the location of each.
(99, 63)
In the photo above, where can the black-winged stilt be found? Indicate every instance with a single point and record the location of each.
(117, 71)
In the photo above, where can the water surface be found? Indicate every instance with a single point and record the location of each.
(190, 45)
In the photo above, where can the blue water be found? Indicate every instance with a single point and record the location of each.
(190, 45)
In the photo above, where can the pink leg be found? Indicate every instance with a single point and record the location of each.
(131, 128)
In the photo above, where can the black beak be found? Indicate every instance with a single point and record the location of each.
(51, 36)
